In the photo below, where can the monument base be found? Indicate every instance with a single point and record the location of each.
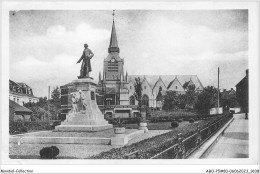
(85, 115)
(83, 128)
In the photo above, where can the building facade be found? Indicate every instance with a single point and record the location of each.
(116, 88)
(242, 93)
(21, 93)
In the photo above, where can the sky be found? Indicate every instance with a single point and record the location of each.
(45, 45)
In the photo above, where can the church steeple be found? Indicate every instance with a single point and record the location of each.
(113, 45)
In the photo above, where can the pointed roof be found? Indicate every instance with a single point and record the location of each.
(167, 79)
(159, 79)
(18, 108)
(113, 45)
(191, 83)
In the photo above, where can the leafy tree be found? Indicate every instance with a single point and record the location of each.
(54, 105)
(42, 101)
(47, 109)
(181, 101)
(170, 100)
(207, 99)
(55, 95)
(138, 91)
(190, 97)
(185, 85)
(138, 96)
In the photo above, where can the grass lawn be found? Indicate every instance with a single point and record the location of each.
(173, 113)
(157, 126)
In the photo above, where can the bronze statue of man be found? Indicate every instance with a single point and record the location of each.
(85, 66)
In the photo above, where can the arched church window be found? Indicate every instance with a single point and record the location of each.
(145, 100)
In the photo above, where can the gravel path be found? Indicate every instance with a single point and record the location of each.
(104, 134)
(67, 151)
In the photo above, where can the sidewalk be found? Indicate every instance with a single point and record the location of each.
(234, 143)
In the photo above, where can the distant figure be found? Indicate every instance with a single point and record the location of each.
(85, 66)
(74, 103)
(83, 100)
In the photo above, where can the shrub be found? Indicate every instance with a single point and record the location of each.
(117, 122)
(191, 120)
(24, 129)
(55, 123)
(17, 127)
(132, 120)
(49, 152)
(174, 124)
(180, 120)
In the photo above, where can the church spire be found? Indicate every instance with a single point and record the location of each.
(113, 45)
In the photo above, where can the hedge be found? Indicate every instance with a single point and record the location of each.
(113, 121)
(150, 147)
(183, 118)
(22, 127)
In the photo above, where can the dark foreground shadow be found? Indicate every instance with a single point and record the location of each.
(241, 155)
(37, 157)
(236, 135)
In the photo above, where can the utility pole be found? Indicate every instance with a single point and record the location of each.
(218, 90)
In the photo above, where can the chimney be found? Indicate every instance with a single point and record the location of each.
(49, 92)
(247, 72)
(224, 90)
(231, 89)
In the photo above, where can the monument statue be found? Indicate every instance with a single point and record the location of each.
(74, 103)
(83, 99)
(85, 66)
(85, 114)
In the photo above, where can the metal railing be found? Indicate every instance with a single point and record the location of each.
(185, 147)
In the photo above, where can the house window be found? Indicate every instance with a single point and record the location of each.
(108, 101)
(92, 95)
(176, 87)
(17, 100)
(14, 99)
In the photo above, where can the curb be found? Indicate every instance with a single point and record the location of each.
(208, 145)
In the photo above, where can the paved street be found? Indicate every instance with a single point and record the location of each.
(234, 142)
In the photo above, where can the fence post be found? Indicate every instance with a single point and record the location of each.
(198, 140)
(181, 148)
(209, 129)
(179, 135)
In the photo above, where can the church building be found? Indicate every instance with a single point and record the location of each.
(116, 88)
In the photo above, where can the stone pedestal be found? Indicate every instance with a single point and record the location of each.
(87, 116)
(143, 126)
(120, 139)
